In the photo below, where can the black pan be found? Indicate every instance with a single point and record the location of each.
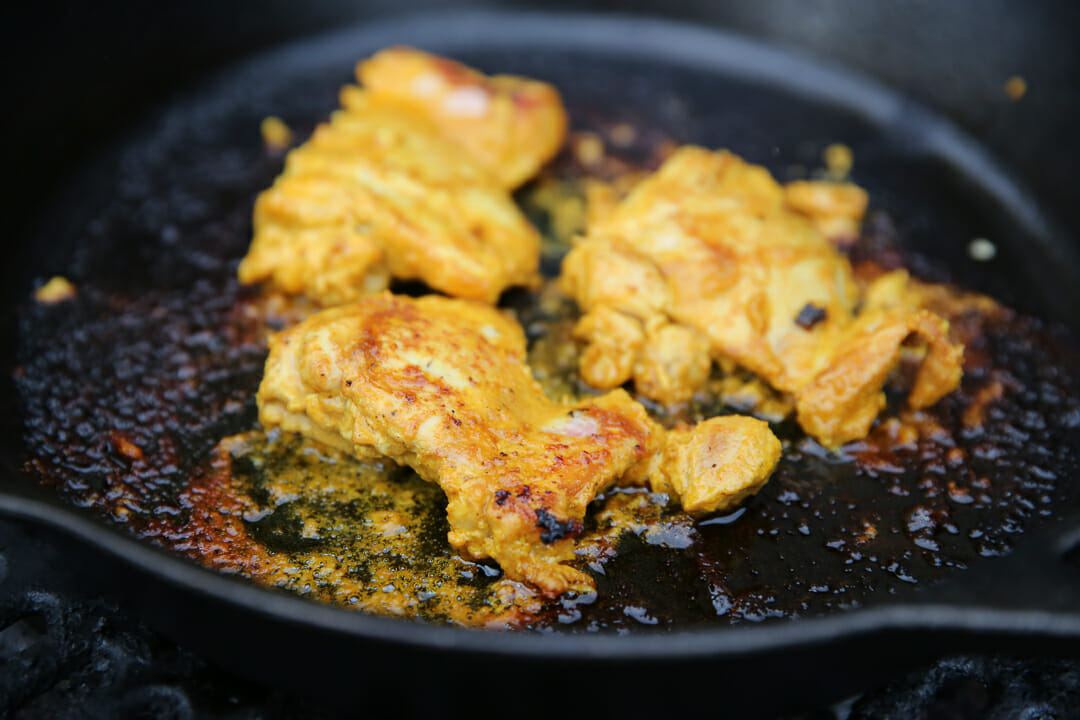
(188, 174)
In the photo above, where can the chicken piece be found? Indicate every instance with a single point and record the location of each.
(391, 189)
(441, 385)
(510, 125)
(661, 359)
(836, 208)
(844, 398)
(708, 467)
(708, 244)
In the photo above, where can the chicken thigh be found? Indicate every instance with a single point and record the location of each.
(707, 259)
(409, 180)
(441, 385)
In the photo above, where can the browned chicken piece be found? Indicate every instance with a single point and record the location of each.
(510, 125)
(441, 385)
(705, 260)
(395, 188)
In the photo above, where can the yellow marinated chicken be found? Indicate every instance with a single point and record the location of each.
(441, 385)
(706, 259)
(410, 186)
(510, 125)
(835, 208)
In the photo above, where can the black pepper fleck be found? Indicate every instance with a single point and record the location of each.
(810, 316)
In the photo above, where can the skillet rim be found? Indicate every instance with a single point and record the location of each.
(714, 643)
(672, 42)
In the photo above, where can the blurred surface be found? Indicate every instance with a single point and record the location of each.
(67, 654)
(81, 73)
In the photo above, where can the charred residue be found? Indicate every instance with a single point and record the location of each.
(552, 529)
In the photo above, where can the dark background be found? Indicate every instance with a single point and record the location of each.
(80, 74)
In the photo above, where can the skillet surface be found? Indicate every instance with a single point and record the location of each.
(154, 346)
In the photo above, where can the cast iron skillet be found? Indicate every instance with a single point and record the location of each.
(684, 80)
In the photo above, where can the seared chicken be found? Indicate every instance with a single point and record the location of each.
(410, 180)
(510, 125)
(707, 259)
(441, 385)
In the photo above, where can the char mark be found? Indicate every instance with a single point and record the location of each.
(810, 316)
(552, 529)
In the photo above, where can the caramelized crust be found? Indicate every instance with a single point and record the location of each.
(709, 244)
(408, 186)
(441, 385)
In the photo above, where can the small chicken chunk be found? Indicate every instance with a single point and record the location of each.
(397, 186)
(707, 470)
(710, 245)
(441, 385)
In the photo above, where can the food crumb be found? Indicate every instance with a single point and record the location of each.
(838, 160)
(275, 133)
(125, 447)
(310, 529)
(869, 533)
(623, 134)
(56, 290)
(982, 250)
(589, 149)
(1015, 88)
